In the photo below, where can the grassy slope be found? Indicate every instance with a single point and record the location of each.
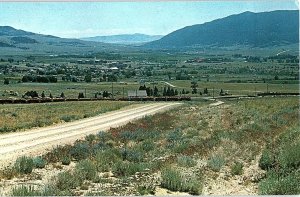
(214, 150)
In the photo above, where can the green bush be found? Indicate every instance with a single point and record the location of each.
(132, 155)
(289, 157)
(90, 138)
(25, 191)
(125, 168)
(145, 190)
(66, 160)
(80, 151)
(237, 168)
(216, 162)
(24, 165)
(186, 161)
(267, 160)
(276, 184)
(105, 159)
(171, 179)
(175, 181)
(68, 118)
(66, 181)
(39, 162)
(86, 169)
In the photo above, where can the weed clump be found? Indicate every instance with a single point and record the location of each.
(216, 162)
(24, 165)
(39, 162)
(237, 168)
(175, 181)
(86, 169)
(80, 151)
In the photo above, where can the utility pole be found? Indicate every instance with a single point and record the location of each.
(267, 87)
(84, 92)
(213, 92)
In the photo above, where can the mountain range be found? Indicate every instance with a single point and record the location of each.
(246, 29)
(18, 41)
(265, 29)
(124, 38)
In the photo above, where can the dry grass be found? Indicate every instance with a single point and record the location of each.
(25, 116)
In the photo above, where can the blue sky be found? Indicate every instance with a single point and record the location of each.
(84, 19)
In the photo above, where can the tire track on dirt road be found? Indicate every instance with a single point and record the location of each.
(40, 141)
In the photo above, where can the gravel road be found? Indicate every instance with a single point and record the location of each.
(42, 140)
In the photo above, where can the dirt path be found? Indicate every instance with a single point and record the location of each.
(41, 140)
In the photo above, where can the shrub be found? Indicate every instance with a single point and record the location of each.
(186, 161)
(237, 168)
(90, 138)
(25, 191)
(175, 181)
(24, 165)
(132, 155)
(267, 160)
(125, 168)
(289, 157)
(80, 151)
(105, 159)
(216, 162)
(276, 184)
(66, 160)
(68, 118)
(104, 136)
(171, 179)
(39, 162)
(67, 181)
(145, 190)
(86, 169)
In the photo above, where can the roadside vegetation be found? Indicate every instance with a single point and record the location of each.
(248, 146)
(16, 117)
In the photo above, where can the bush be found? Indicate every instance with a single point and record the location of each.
(175, 181)
(186, 161)
(68, 118)
(125, 168)
(90, 138)
(216, 162)
(289, 157)
(105, 159)
(237, 168)
(276, 184)
(80, 151)
(24, 165)
(86, 169)
(67, 181)
(25, 191)
(39, 162)
(66, 160)
(171, 179)
(267, 160)
(132, 155)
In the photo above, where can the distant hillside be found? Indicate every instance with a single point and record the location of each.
(13, 40)
(124, 38)
(247, 29)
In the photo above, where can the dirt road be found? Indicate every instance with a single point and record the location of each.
(41, 140)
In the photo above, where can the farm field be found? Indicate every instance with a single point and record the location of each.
(239, 147)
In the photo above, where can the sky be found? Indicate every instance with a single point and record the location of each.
(86, 19)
